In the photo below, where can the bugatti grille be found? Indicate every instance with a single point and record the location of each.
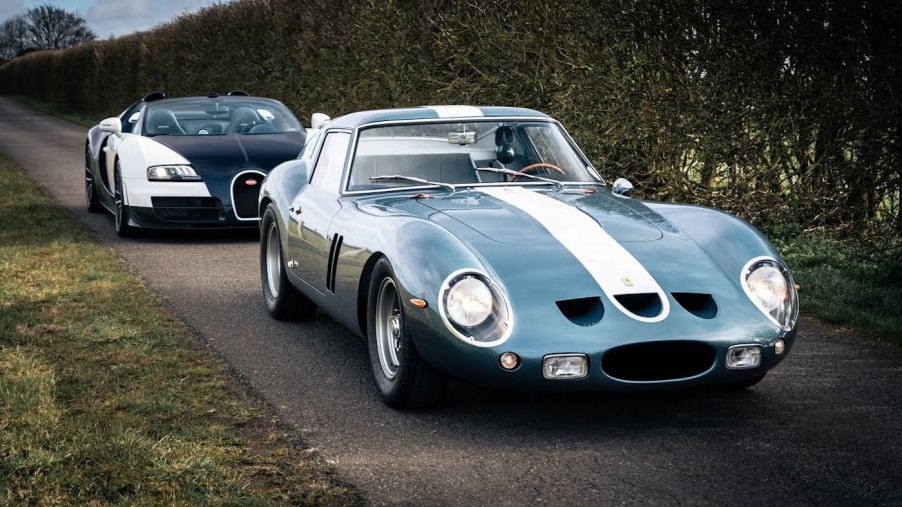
(245, 192)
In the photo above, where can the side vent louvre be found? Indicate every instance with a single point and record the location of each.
(333, 262)
(582, 311)
(700, 305)
(644, 304)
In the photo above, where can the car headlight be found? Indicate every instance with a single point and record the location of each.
(770, 286)
(474, 309)
(172, 173)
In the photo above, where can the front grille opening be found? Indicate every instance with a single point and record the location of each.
(700, 305)
(658, 361)
(245, 193)
(187, 209)
(582, 311)
(644, 305)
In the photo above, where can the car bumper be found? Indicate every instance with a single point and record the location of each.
(181, 205)
(619, 360)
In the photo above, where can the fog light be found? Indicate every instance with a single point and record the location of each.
(510, 361)
(740, 357)
(779, 346)
(565, 366)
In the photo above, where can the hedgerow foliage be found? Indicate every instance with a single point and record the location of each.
(781, 110)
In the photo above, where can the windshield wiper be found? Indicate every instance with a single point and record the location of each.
(556, 183)
(414, 179)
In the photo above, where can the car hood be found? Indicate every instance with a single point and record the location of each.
(219, 158)
(528, 257)
(624, 219)
(216, 153)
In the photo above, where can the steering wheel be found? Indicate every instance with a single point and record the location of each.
(536, 166)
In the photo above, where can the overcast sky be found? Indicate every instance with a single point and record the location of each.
(114, 17)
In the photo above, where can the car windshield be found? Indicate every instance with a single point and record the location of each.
(471, 153)
(202, 116)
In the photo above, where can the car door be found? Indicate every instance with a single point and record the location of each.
(313, 209)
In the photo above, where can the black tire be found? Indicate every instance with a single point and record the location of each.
(745, 384)
(403, 378)
(121, 215)
(282, 300)
(91, 200)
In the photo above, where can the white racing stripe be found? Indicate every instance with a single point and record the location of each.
(602, 256)
(456, 111)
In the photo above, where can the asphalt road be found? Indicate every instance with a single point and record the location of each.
(824, 427)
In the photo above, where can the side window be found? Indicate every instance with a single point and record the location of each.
(327, 172)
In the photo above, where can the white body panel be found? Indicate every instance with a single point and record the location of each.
(136, 154)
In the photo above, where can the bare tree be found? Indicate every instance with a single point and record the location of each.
(13, 37)
(50, 27)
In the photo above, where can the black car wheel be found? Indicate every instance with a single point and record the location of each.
(403, 378)
(123, 229)
(282, 300)
(91, 200)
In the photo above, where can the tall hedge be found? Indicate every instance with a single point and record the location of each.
(780, 110)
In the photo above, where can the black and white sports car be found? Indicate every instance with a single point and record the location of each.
(189, 162)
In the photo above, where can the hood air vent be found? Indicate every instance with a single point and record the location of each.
(700, 305)
(582, 311)
(644, 305)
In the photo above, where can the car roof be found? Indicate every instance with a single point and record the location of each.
(220, 98)
(431, 112)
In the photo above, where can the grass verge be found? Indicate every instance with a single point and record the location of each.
(848, 283)
(59, 111)
(106, 398)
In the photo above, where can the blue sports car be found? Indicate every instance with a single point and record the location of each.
(480, 243)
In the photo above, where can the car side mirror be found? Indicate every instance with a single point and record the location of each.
(622, 187)
(319, 120)
(112, 125)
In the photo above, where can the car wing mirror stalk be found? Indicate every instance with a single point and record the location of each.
(112, 125)
(622, 187)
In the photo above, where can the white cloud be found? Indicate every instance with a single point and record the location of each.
(120, 17)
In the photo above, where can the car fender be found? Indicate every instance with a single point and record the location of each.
(729, 240)
(136, 154)
(279, 188)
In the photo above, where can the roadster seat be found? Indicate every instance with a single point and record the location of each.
(164, 122)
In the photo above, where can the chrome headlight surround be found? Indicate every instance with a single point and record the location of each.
(172, 172)
(490, 331)
(768, 284)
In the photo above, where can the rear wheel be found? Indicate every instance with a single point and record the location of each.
(403, 378)
(91, 200)
(282, 300)
(123, 229)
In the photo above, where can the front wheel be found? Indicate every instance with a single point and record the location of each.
(282, 300)
(91, 200)
(121, 217)
(403, 378)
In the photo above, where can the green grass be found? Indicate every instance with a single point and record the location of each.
(850, 283)
(59, 111)
(106, 398)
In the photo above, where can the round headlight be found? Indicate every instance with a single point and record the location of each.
(475, 309)
(769, 285)
(469, 302)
